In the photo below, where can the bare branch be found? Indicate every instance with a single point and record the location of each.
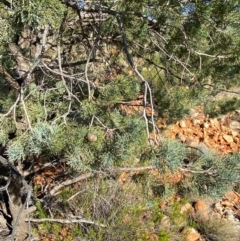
(212, 56)
(65, 221)
(8, 78)
(70, 182)
(147, 87)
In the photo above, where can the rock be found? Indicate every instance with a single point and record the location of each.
(206, 125)
(229, 215)
(202, 209)
(193, 113)
(190, 141)
(215, 216)
(227, 203)
(165, 222)
(182, 124)
(234, 125)
(214, 122)
(191, 234)
(187, 208)
(228, 138)
(218, 207)
(196, 122)
(236, 116)
(200, 206)
(202, 147)
(181, 137)
(234, 133)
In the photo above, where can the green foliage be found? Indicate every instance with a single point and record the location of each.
(170, 155)
(7, 128)
(43, 139)
(124, 88)
(174, 103)
(214, 176)
(216, 108)
(125, 210)
(41, 213)
(88, 109)
(38, 13)
(211, 174)
(16, 150)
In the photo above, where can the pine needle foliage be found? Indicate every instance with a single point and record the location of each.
(38, 13)
(209, 175)
(123, 89)
(170, 155)
(41, 140)
(223, 173)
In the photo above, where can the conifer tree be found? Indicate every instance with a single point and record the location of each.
(70, 71)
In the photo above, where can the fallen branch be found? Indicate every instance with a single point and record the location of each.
(65, 221)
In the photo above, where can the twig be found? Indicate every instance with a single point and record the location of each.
(13, 108)
(24, 107)
(45, 165)
(70, 182)
(86, 73)
(212, 56)
(210, 171)
(70, 95)
(74, 195)
(131, 169)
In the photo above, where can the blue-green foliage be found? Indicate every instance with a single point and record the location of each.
(208, 174)
(170, 155)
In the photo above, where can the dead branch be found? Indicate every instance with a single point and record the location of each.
(70, 182)
(131, 169)
(65, 221)
(15, 190)
(210, 171)
(43, 166)
(8, 78)
(70, 94)
(148, 90)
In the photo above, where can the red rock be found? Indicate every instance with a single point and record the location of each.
(181, 137)
(206, 125)
(182, 124)
(201, 206)
(202, 209)
(234, 133)
(234, 125)
(196, 122)
(214, 123)
(228, 138)
(191, 234)
(232, 196)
